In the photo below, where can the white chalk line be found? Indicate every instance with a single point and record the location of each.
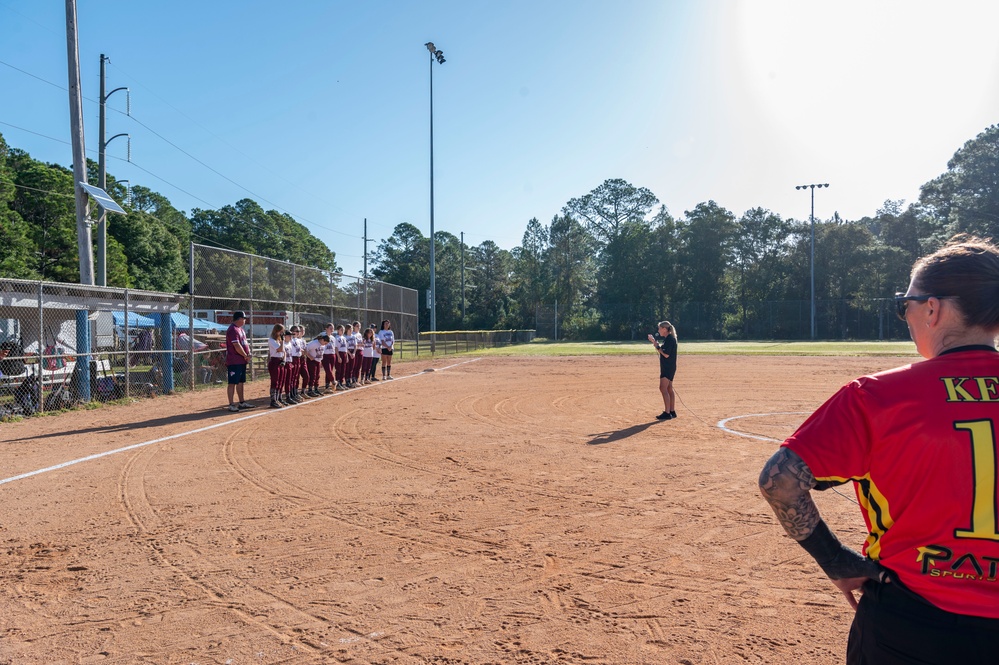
(225, 423)
(722, 424)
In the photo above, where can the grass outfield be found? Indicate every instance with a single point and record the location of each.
(771, 348)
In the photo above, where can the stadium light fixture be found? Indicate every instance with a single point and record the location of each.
(811, 219)
(439, 57)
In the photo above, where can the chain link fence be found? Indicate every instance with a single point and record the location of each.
(65, 344)
(277, 292)
(62, 345)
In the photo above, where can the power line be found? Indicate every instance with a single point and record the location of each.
(44, 136)
(227, 178)
(190, 156)
(234, 148)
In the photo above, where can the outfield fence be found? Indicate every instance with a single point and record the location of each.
(66, 344)
(842, 319)
(460, 341)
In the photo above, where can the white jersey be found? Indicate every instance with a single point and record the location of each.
(275, 349)
(297, 346)
(387, 338)
(289, 350)
(314, 350)
(341, 343)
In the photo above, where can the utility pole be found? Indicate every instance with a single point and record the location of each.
(85, 245)
(102, 229)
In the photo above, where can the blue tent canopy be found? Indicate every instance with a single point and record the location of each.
(134, 320)
(181, 322)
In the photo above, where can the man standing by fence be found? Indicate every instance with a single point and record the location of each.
(237, 355)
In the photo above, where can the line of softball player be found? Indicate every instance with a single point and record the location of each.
(346, 357)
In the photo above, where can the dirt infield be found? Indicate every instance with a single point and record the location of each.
(501, 510)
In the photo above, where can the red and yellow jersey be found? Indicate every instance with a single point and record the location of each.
(920, 444)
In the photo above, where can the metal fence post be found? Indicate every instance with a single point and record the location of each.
(128, 350)
(253, 365)
(166, 361)
(41, 327)
(190, 321)
(331, 297)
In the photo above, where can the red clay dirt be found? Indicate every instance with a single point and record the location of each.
(500, 510)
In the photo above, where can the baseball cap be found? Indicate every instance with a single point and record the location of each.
(238, 314)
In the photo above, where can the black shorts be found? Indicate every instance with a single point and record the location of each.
(237, 373)
(667, 373)
(386, 352)
(894, 626)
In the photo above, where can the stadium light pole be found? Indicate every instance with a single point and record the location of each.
(811, 219)
(439, 57)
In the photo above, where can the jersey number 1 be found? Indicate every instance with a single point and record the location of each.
(984, 522)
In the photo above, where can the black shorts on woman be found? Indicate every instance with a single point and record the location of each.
(667, 366)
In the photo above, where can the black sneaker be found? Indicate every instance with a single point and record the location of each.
(672, 414)
(664, 416)
(276, 405)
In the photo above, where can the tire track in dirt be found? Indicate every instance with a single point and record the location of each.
(308, 501)
(405, 462)
(164, 555)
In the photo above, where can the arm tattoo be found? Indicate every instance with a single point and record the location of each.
(785, 483)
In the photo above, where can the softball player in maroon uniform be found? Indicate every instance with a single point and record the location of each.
(358, 355)
(348, 369)
(367, 354)
(341, 358)
(920, 444)
(289, 368)
(301, 358)
(275, 363)
(329, 359)
(314, 360)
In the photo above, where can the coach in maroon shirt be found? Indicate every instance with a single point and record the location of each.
(237, 355)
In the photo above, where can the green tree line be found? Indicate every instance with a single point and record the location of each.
(615, 261)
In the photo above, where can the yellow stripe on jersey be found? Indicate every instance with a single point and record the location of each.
(874, 503)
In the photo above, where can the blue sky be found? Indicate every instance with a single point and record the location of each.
(321, 109)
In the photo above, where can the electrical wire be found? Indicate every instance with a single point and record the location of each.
(222, 140)
(187, 154)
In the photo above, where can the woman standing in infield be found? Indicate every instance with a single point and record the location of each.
(665, 343)
(275, 364)
(386, 339)
(920, 443)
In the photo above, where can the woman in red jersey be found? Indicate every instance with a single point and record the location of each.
(920, 444)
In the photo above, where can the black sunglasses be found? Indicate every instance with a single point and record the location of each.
(902, 302)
